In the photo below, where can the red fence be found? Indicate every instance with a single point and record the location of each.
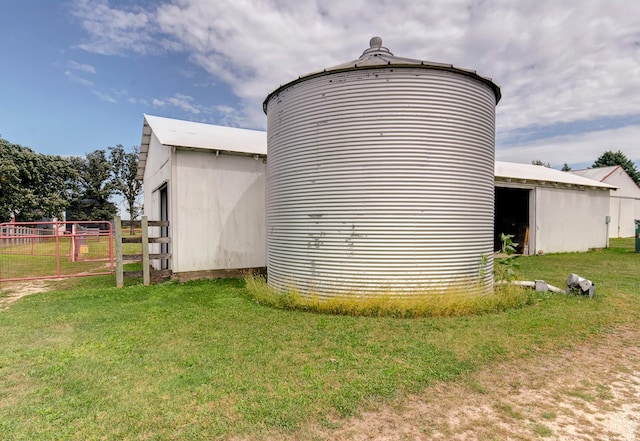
(44, 250)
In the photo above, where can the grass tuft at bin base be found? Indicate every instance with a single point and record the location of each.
(426, 304)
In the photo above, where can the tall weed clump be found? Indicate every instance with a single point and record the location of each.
(506, 267)
(386, 304)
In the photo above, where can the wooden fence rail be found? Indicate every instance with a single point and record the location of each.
(145, 256)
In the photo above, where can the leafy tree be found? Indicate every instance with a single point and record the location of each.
(566, 167)
(610, 158)
(33, 185)
(542, 163)
(93, 188)
(124, 170)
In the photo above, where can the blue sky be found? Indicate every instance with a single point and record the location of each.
(77, 75)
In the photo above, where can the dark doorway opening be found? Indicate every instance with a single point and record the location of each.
(512, 217)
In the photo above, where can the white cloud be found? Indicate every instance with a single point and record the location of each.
(181, 101)
(112, 30)
(230, 116)
(557, 62)
(86, 68)
(228, 110)
(142, 101)
(184, 102)
(77, 79)
(104, 96)
(120, 92)
(565, 63)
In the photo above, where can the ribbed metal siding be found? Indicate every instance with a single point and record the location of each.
(381, 181)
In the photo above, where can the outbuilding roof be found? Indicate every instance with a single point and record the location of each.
(525, 173)
(598, 173)
(199, 136)
(616, 175)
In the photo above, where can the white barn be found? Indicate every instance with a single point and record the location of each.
(625, 201)
(550, 211)
(209, 182)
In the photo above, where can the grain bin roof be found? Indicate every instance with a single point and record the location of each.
(199, 136)
(377, 56)
(538, 174)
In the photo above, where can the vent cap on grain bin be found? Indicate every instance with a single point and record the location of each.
(380, 179)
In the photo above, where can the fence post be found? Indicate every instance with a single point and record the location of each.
(146, 276)
(111, 239)
(57, 253)
(119, 265)
(74, 242)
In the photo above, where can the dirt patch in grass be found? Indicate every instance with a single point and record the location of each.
(11, 292)
(583, 393)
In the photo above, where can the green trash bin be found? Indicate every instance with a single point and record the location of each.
(637, 236)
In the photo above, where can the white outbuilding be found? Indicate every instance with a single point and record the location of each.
(625, 201)
(548, 210)
(208, 181)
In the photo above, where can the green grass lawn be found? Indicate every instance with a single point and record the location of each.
(202, 360)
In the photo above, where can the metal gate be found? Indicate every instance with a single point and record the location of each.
(46, 250)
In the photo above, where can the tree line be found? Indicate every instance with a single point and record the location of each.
(36, 186)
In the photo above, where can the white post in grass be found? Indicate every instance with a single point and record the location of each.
(146, 276)
(119, 264)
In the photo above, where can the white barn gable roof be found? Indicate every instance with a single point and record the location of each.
(194, 135)
(613, 175)
(597, 174)
(510, 171)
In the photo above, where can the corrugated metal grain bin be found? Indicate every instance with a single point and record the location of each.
(380, 179)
